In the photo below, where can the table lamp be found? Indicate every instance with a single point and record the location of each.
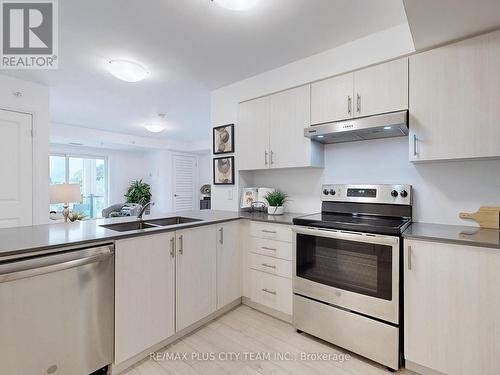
(66, 194)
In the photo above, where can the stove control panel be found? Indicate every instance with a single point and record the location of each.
(385, 194)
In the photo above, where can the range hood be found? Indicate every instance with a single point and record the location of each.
(394, 124)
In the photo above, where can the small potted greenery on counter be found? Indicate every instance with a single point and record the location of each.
(276, 200)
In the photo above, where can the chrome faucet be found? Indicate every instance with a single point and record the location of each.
(143, 209)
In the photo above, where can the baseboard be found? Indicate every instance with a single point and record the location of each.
(118, 368)
(419, 369)
(267, 310)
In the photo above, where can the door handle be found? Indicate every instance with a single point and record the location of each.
(221, 230)
(358, 103)
(273, 292)
(181, 244)
(268, 265)
(268, 231)
(172, 247)
(272, 157)
(265, 158)
(409, 258)
(415, 141)
(349, 104)
(268, 248)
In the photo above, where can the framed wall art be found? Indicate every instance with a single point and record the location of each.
(224, 170)
(223, 139)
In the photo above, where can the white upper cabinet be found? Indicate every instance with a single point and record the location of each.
(454, 101)
(378, 89)
(270, 132)
(381, 88)
(332, 99)
(252, 134)
(290, 113)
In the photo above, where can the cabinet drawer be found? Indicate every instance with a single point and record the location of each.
(276, 249)
(272, 291)
(271, 265)
(271, 231)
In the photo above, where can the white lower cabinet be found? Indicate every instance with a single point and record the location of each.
(144, 293)
(229, 278)
(271, 291)
(451, 305)
(196, 275)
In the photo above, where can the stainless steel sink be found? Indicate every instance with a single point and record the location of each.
(165, 222)
(126, 227)
(147, 224)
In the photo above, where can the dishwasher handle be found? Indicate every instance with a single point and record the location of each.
(43, 265)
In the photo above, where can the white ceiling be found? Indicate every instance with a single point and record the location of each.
(190, 47)
(434, 22)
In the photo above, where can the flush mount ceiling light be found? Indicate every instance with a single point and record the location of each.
(236, 4)
(154, 128)
(127, 71)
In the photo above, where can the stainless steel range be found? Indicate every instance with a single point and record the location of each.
(347, 269)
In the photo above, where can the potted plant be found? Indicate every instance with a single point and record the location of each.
(276, 200)
(138, 192)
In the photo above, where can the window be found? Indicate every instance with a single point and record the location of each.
(90, 172)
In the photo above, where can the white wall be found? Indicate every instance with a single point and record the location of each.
(123, 167)
(442, 189)
(34, 99)
(372, 49)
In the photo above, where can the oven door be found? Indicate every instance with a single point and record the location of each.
(354, 271)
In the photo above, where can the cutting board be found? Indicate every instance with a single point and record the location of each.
(486, 217)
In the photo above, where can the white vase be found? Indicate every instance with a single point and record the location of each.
(275, 210)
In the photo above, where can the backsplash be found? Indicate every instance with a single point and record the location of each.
(441, 189)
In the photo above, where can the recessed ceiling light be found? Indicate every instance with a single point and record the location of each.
(321, 136)
(154, 128)
(387, 127)
(237, 4)
(128, 71)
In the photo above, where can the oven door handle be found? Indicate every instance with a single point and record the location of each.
(345, 235)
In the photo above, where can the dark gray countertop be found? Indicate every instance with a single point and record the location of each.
(287, 218)
(455, 234)
(19, 240)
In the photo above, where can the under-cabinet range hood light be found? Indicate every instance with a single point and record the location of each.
(394, 124)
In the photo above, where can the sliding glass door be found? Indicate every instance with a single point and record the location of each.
(90, 173)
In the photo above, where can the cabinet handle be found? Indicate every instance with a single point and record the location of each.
(221, 230)
(268, 265)
(265, 158)
(269, 231)
(409, 258)
(349, 104)
(181, 245)
(172, 247)
(415, 141)
(273, 292)
(272, 154)
(267, 248)
(358, 103)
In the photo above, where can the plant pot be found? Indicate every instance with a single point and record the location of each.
(275, 210)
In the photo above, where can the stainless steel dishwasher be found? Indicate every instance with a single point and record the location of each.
(57, 312)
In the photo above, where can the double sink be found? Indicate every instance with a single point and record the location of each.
(148, 224)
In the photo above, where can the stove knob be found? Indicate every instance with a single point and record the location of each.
(332, 192)
(394, 193)
(326, 192)
(404, 193)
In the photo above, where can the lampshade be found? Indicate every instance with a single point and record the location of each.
(65, 193)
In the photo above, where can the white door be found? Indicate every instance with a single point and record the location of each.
(381, 88)
(16, 169)
(332, 99)
(144, 293)
(196, 275)
(252, 134)
(228, 263)
(185, 182)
